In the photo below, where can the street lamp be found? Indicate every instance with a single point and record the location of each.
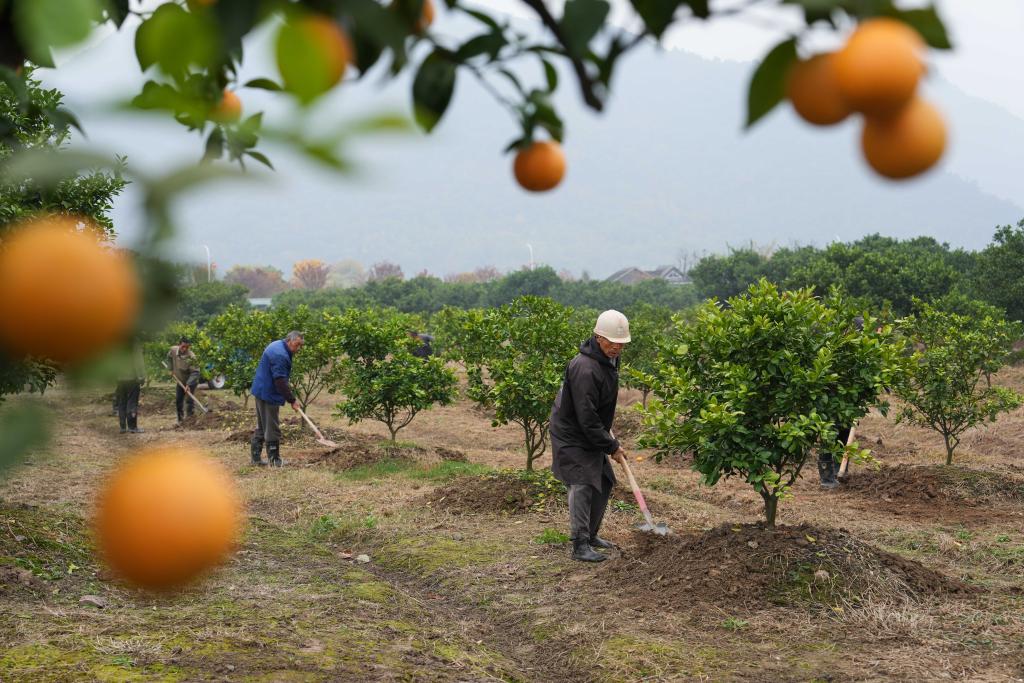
(209, 268)
(530, 247)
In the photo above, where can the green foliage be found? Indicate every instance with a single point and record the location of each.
(33, 118)
(951, 355)
(883, 273)
(381, 379)
(998, 276)
(515, 356)
(648, 327)
(424, 294)
(201, 302)
(551, 537)
(750, 389)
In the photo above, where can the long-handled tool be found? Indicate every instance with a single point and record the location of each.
(189, 392)
(319, 437)
(660, 528)
(844, 466)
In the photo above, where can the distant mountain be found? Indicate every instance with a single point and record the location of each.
(666, 168)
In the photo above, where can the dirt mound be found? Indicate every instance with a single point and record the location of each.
(909, 485)
(750, 565)
(507, 491)
(218, 418)
(450, 454)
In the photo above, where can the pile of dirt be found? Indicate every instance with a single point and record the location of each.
(750, 565)
(910, 485)
(225, 417)
(507, 492)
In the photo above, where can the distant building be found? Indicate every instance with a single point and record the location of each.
(633, 275)
(260, 303)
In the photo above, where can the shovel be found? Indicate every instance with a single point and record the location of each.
(844, 466)
(189, 392)
(319, 437)
(660, 529)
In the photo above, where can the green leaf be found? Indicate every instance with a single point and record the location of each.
(262, 158)
(657, 14)
(43, 24)
(174, 40)
(768, 85)
(432, 90)
(581, 21)
(25, 426)
(486, 43)
(926, 21)
(214, 145)
(264, 84)
(700, 8)
(550, 74)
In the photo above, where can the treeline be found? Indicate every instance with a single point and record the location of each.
(427, 294)
(885, 274)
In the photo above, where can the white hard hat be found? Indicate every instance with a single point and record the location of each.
(613, 326)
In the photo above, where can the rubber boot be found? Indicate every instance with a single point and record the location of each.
(274, 454)
(582, 551)
(256, 451)
(827, 473)
(599, 543)
(133, 425)
(124, 423)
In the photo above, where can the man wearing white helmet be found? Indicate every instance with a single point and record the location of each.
(581, 437)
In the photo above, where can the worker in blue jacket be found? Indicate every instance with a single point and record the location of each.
(271, 391)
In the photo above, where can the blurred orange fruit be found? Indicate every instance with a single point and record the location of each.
(312, 54)
(167, 515)
(426, 16)
(905, 144)
(229, 109)
(878, 69)
(812, 89)
(64, 296)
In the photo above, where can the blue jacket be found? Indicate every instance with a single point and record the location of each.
(275, 363)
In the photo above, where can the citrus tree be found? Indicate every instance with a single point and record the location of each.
(648, 327)
(515, 357)
(316, 367)
(951, 354)
(234, 342)
(381, 379)
(751, 388)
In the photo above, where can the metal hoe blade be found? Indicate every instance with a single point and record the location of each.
(659, 529)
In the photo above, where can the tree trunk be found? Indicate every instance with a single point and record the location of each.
(771, 505)
(394, 432)
(644, 402)
(949, 450)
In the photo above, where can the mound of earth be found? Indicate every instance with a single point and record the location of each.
(507, 491)
(751, 565)
(910, 485)
(220, 417)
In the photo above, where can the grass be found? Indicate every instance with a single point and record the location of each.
(551, 537)
(440, 472)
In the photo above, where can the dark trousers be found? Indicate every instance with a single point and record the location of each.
(127, 399)
(586, 508)
(268, 422)
(825, 460)
(183, 403)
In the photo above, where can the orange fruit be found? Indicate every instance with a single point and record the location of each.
(541, 166)
(229, 109)
(312, 53)
(878, 69)
(165, 516)
(811, 88)
(907, 143)
(63, 295)
(426, 17)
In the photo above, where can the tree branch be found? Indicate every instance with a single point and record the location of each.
(584, 79)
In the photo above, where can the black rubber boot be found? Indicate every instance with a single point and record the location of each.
(827, 473)
(599, 543)
(133, 425)
(582, 551)
(124, 423)
(256, 451)
(274, 454)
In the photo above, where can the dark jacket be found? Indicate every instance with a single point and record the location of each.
(424, 350)
(271, 381)
(581, 419)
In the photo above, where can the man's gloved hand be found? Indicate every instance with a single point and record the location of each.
(619, 456)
